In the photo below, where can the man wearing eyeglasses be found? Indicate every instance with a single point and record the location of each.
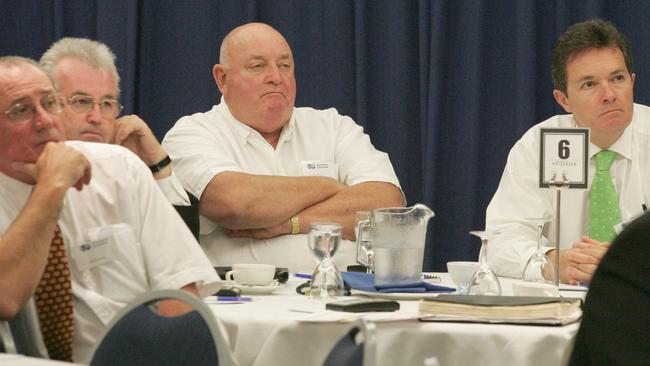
(111, 239)
(85, 75)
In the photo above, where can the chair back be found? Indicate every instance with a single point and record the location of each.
(356, 348)
(138, 335)
(7, 344)
(25, 331)
(190, 215)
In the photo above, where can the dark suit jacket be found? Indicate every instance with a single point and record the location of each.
(190, 215)
(615, 328)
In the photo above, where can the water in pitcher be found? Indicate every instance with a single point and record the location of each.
(399, 251)
(398, 266)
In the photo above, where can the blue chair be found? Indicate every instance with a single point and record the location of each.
(138, 335)
(356, 348)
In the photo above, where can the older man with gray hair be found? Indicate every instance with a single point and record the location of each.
(84, 73)
(86, 253)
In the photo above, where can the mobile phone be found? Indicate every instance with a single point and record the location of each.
(362, 305)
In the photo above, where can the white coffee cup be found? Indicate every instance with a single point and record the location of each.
(523, 288)
(253, 274)
(461, 273)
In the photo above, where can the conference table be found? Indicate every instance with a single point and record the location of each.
(10, 359)
(285, 328)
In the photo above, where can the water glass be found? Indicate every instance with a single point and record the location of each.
(324, 239)
(539, 268)
(484, 281)
(461, 274)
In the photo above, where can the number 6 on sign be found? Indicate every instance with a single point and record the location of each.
(563, 157)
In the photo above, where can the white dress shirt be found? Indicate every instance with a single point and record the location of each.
(149, 245)
(519, 196)
(172, 188)
(314, 142)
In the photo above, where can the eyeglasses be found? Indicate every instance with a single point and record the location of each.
(109, 108)
(24, 111)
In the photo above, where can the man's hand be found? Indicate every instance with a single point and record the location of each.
(583, 259)
(134, 134)
(265, 233)
(59, 165)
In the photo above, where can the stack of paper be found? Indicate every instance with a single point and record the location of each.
(501, 309)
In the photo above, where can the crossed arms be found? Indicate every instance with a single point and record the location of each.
(261, 206)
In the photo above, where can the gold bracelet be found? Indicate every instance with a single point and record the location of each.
(295, 225)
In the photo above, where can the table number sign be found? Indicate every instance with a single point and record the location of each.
(564, 155)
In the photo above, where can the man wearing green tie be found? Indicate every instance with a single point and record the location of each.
(593, 80)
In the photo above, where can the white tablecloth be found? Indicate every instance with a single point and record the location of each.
(266, 331)
(8, 359)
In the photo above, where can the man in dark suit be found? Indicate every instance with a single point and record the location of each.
(615, 328)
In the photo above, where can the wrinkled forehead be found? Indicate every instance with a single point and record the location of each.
(73, 75)
(19, 80)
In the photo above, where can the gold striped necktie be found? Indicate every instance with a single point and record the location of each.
(53, 299)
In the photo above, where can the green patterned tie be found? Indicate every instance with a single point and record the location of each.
(604, 212)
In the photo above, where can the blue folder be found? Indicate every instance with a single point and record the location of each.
(366, 282)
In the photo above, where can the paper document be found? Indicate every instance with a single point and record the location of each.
(502, 309)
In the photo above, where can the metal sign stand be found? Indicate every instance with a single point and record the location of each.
(558, 186)
(563, 157)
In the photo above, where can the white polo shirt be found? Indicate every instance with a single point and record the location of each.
(314, 142)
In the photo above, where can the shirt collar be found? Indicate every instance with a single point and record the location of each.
(246, 133)
(622, 146)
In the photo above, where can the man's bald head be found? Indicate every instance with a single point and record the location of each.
(241, 35)
(256, 78)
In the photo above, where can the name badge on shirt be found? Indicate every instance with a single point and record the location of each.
(321, 168)
(89, 255)
(100, 249)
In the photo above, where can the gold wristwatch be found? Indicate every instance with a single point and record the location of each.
(295, 225)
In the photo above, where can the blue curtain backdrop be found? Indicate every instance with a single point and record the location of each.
(445, 87)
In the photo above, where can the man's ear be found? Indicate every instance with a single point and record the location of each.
(219, 74)
(562, 100)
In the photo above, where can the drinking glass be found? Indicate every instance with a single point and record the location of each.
(539, 268)
(324, 239)
(461, 274)
(363, 233)
(484, 281)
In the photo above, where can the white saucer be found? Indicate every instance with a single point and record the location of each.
(396, 295)
(258, 290)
